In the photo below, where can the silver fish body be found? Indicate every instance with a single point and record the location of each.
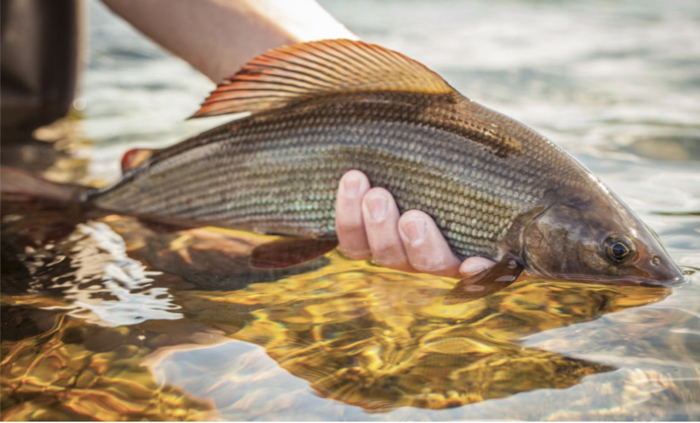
(473, 170)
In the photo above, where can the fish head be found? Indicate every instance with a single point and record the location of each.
(599, 242)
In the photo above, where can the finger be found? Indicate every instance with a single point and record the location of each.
(381, 217)
(349, 225)
(425, 246)
(474, 265)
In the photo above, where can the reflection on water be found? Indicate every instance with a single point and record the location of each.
(54, 376)
(93, 328)
(381, 339)
(667, 148)
(107, 317)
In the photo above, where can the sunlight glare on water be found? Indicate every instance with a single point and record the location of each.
(106, 317)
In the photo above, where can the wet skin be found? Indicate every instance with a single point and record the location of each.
(369, 225)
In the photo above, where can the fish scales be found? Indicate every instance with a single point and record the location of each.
(278, 171)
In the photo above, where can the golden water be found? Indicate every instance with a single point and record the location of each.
(106, 318)
(145, 329)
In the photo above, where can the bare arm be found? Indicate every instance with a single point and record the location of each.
(217, 37)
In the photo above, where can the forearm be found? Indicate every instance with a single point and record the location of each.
(218, 36)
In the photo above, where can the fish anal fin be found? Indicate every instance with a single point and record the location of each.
(292, 73)
(289, 252)
(136, 157)
(483, 284)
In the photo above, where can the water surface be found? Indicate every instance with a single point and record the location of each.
(110, 318)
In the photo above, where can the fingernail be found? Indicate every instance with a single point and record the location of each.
(351, 185)
(377, 206)
(413, 230)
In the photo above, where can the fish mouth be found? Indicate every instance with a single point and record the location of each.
(630, 281)
(621, 280)
(678, 280)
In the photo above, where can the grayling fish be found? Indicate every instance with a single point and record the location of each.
(495, 188)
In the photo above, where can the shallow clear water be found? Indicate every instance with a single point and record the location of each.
(105, 317)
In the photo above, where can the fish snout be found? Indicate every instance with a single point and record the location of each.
(661, 271)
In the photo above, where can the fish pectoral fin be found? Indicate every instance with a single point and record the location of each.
(301, 71)
(290, 252)
(136, 157)
(483, 284)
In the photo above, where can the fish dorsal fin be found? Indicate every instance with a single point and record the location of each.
(293, 73)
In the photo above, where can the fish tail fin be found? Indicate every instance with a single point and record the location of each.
(21, 185)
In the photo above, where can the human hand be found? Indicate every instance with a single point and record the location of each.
(368, 224)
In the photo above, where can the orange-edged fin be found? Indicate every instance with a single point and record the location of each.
(20, 185)
(290, 252)
(483, 284)
(136, 157)
(293, 73)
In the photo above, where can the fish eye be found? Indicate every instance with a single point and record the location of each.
(618, 249)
